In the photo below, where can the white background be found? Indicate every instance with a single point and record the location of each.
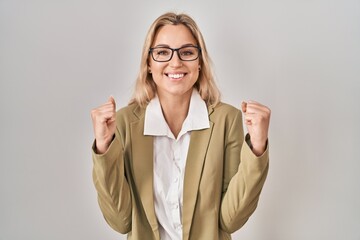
(60, 59)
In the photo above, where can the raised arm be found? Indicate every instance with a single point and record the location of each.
(241, 196)
(114, 195)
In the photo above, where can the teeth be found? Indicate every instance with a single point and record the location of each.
(176, 75)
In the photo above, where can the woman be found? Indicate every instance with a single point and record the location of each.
(174, 164)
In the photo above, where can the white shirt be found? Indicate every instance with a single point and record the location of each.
(169, 162)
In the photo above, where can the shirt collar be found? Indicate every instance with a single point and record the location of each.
(197, 118)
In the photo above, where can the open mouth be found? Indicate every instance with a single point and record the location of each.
(175, 75)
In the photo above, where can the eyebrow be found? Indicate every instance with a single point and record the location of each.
(184, 45)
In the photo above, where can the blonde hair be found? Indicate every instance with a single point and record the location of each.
(145, 88)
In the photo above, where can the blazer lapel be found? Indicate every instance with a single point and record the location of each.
(194, 164)
(143, 167)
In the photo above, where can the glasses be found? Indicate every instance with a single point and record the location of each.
(165, 54)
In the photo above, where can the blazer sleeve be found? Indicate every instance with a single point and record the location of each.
(245, 174)
(113, 190)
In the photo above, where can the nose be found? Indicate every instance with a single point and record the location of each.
(175, 61)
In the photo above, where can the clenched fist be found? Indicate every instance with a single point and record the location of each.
(104, 124)
(257, 119)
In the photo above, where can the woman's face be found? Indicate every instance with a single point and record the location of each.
(175, 77)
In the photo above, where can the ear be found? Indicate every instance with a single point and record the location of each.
(148, 67)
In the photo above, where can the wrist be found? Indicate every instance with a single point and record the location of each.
(258, 147)
(101, 146)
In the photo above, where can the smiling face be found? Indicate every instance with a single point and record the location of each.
(175, 77)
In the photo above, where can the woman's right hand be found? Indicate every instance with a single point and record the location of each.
(104, 124)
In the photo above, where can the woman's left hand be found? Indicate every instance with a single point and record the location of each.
(257, 119)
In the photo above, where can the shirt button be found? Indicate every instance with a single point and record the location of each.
(178, 227)
(176, 180)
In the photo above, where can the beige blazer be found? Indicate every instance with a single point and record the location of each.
(223, 178)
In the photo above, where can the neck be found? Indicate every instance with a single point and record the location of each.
(175, 110)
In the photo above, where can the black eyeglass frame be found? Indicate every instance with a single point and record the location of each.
(177, 51)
